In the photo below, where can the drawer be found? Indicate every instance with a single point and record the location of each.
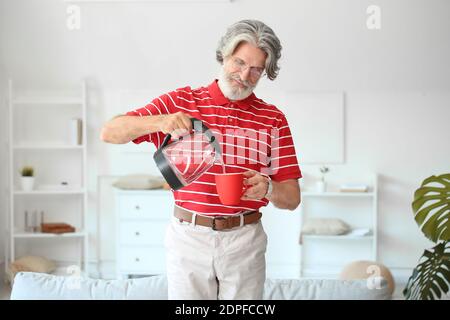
(146, 206)
(142, 232)
(142, 259)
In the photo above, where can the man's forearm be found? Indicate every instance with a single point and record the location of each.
(285, 195)
(123, 129)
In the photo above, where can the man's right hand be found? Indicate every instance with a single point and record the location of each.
(123, 129)
(177, 124)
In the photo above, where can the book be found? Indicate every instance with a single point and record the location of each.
(56, 227)
(353, 188)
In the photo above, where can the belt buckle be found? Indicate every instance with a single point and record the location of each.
(214, 222)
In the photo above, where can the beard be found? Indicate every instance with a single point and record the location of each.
(231, 89)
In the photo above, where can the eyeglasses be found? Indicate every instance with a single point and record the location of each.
(255, 72)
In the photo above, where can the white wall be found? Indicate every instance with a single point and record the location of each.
(154, 45)
(396, 80)
(3, 167)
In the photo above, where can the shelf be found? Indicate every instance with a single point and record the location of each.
(337, 194)
(321, 272)
(49, 235)
(67, 270)
(48, 147)
(158, 191)
(148, 1)
(47, 101)
(343, 237)
(54, 107)
(49, 192)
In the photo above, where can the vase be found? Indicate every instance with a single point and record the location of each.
(321, 186)
(27, 183)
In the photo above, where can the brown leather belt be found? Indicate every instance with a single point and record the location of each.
(218, 222)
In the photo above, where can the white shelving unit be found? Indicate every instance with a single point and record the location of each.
(43, 146)
(286, 258)
(331, 253)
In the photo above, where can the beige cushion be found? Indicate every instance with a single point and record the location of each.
(325, 226)
(363, 269)
(30, 264)
(139, 182)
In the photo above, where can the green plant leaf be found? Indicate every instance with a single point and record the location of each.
(431, 207)
(431, 277)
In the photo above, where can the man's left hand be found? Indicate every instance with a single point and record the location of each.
(257, 185)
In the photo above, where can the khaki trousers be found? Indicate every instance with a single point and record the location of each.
(206, 264)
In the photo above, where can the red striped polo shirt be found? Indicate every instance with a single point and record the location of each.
(254, 135)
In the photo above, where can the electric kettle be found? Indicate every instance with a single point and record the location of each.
(186, 159)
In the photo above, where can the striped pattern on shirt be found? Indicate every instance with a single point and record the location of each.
(253, 135)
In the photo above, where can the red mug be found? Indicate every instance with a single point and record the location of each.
(230, 187)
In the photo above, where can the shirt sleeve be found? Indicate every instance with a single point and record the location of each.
(164, 104)
(283, 158)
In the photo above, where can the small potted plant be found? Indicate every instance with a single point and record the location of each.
(321, 184)
(27, 179)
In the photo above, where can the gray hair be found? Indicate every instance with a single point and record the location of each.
(256, 33)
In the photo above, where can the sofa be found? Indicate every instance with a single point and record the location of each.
(42, 286)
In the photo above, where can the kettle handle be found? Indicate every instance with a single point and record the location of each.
(204, 129)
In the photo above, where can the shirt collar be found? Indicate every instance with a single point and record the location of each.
(220, 99)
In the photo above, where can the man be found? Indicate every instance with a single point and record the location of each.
(216, 251)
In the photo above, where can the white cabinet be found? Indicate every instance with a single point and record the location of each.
(39, 136)
(282, 229)
(141, 221)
